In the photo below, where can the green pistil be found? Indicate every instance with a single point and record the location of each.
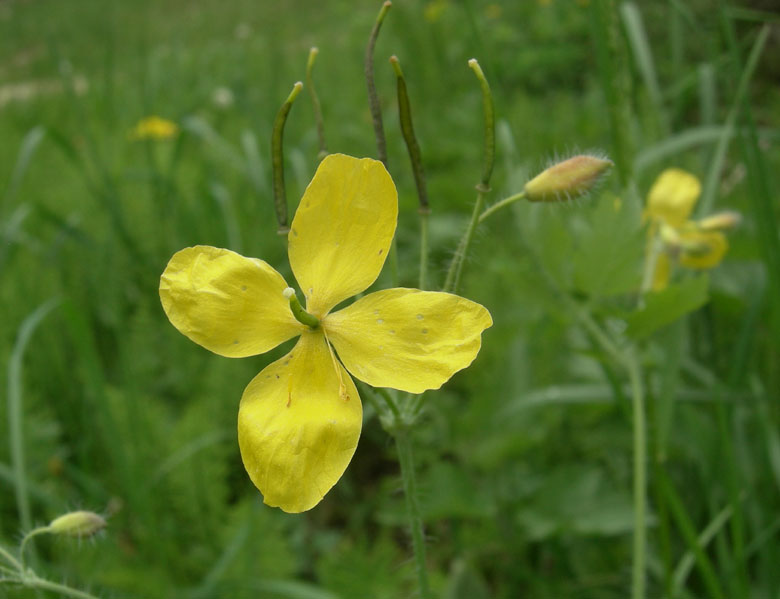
(300, 314)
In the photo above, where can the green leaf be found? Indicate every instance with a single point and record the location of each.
(607, 260)
(664, 307)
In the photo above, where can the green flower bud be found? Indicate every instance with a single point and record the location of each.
(77, 524)
(567, 180)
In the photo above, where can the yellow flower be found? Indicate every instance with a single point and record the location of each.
(434, 10)
(299, 419)
(691, 244)
(154, 127)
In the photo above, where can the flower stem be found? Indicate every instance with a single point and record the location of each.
(502, 204)
(483, 187)
(10, 559)
(316, 103)
(452, 282)
(640, 477)
(64, 591)
(403, 443)
(27, 537)
(423, 249)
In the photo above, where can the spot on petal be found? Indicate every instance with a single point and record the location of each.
(379, 320)
(420, 317)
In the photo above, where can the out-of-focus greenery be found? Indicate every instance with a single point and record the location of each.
(524, 459)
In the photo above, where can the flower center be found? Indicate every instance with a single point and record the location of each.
(299, 313)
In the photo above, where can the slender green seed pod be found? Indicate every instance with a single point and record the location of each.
(407, 129)
(490, 124)
(277, 158)
(373, 97)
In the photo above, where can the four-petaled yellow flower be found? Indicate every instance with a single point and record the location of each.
(299, 419)
(692, 244)
(154, 127)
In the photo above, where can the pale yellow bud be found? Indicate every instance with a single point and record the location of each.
(720, 221)
(77, 524)
(566, 180)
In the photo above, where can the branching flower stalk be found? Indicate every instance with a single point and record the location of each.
(78, 524)
(452, 281)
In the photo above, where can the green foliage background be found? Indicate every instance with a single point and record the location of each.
(524, 459)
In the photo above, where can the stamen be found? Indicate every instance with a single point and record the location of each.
(342, 387)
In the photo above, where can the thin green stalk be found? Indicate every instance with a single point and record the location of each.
(455, 272)
(390, 403)
(688, 560)
(423, 282)
(501, 204)
(615, 80)
(706, 569)
(403, 444)
(15, 412)
(638, 576)
(651, 260)
(33, 533)
(630, 362)
(47, 585)
(10, 559)
(316, 103)
(452, 282)
(277, 159)
(711, 182)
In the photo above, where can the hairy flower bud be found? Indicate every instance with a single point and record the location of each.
(568, 179)
(77, 524)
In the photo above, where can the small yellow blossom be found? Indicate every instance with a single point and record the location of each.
(691, 244)
(434, 10)
(299, 419)
(494, 11)
(154, 127)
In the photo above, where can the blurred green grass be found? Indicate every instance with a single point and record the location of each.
(525, 458)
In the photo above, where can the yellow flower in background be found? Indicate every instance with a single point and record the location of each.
(434, 10)
(154, 127)
(300, 419)
(691, 244)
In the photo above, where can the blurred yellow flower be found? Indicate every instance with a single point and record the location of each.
(673, 237)
(154, 127)
(299, 419)
(493, 11)
(434, 10)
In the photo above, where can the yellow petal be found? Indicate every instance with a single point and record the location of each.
(225, 302)
(702, 250)
(297, 431)
(673, 196)
(407, 339)
(342, 230)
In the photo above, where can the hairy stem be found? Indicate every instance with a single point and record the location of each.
(403, 444)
